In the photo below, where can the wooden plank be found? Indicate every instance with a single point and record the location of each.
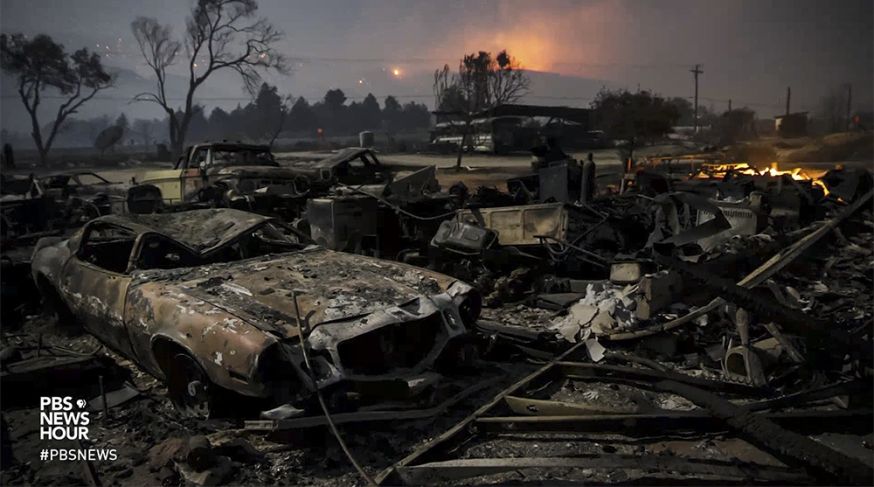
(365, 416)
(389, 473)
(606, 372)
(646, 424)
(791, 448)
(714, 470)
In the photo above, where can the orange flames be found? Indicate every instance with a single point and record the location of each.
(798, 174)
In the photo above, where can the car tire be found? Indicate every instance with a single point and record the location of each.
(188, 386)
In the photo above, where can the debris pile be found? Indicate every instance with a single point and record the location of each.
(696, 323)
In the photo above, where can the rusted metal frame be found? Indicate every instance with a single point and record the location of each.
(365, 416)
(662, 422)
(390, 475)
(580, 370)
(708, 470)
(598, 260)
(772, 266)
(791, 448)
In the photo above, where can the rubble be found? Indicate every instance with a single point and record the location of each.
(705, 326)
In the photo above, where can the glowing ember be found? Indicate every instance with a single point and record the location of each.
(798, 174)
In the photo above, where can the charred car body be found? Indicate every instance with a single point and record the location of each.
(52, 203)
(220, 174)
(221, 300)
(84, 195)
(353, 165)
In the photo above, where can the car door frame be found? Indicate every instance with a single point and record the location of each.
(105, 301)
(194, 178)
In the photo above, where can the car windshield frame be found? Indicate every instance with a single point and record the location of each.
(251, 158)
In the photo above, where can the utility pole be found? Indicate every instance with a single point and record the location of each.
(729, 105)
(696, 72)
(788, 98)
(849, 102)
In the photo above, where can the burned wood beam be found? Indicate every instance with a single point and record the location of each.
(547, 407)
(365, 416)
(794, 449)
(579, 370)
(776, 263)
(698, 421)
(709, 470)
(816, 330)
(806, 396)
(390, 475)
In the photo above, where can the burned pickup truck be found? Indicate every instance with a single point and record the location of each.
(221, 301)
(233, 175)
(350, 166)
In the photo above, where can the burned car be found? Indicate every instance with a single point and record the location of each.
(84, 194)
(226, 174)
(57, 201)
(350, 166)
(218, 300)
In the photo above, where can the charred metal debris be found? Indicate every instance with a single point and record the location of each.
(697, 322)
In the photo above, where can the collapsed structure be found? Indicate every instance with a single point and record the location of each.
(673, 304)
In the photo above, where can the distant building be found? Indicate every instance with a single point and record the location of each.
(510, 127)
(791, 124)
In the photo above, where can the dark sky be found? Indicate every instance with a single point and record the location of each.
(750, 50)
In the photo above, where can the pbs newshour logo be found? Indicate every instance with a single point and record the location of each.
(62, 419)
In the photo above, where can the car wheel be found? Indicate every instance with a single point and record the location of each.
(188, 387)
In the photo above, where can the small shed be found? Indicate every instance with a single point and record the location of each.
(791, 124)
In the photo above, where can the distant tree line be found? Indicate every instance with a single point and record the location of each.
(271, 115)
(267, 117)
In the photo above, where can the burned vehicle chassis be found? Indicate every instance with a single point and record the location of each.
(226, 305)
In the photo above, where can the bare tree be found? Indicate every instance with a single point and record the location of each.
(507, 80)
(159, 51)
(41, 63)
(280, 118)
(219, 35)
(481, 83)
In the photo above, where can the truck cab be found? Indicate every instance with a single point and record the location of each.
(201, 166)
(236, 175)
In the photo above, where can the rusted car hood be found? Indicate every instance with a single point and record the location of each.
(331, 286)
